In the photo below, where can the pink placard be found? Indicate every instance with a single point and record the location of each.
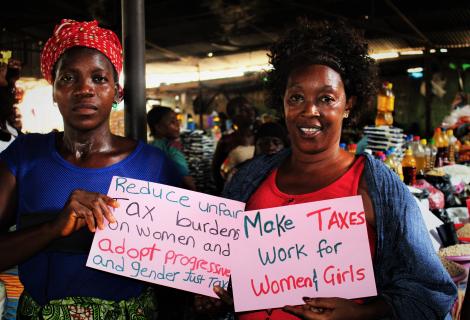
(168, 236)
(316, 249)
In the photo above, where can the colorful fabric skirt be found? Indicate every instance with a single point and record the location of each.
(13, 290)
(85, 308)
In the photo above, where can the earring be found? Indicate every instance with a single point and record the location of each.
(346, 114)
(55, 104)
(115, 105)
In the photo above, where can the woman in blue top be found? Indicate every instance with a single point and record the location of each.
(54, 186)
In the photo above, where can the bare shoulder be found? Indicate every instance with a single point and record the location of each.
(363, 190)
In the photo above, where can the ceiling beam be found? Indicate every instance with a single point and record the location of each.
(408, 22)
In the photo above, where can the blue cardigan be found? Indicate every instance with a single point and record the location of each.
(408, 273)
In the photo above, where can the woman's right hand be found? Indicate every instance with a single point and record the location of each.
(84, 208)
(224, 295)
(212, 307)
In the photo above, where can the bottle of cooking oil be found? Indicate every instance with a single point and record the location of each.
(427, 155)
(452, 145)
(419, 154)
(385, 105)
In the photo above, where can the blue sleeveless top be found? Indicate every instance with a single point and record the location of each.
(44, 183)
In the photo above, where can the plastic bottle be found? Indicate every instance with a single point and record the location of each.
(385, 105)
(452, 146)
(427, 155)
(352, 147)
(432, 154)
(386, 98)
(408, 141)
(409, 168)
(389, 161)
(397, 161)
(440, 145)
(419, 154)
(383, 119)
(342, 145)
(445, 146)
(393, 163)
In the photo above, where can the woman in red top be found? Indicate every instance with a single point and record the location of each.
(319, 75)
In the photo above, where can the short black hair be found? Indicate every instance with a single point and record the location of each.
(332, 43)
(155, 115)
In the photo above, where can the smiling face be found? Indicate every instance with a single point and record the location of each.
(84, 88)
(314, 105)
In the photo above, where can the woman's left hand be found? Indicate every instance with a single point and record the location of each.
(326, 309)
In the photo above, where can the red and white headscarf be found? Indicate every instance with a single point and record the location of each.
(71, 33)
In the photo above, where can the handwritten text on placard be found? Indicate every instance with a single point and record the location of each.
(316, 249)
(169, 236)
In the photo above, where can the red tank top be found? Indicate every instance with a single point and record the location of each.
(268, 195)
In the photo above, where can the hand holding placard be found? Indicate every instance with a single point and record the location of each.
(317, 249)
(168, 236)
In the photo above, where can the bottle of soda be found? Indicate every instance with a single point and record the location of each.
(441, 149)
(409, 168)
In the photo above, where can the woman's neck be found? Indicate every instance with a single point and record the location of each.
(160, 137)
(82, 144)
(333, 158)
